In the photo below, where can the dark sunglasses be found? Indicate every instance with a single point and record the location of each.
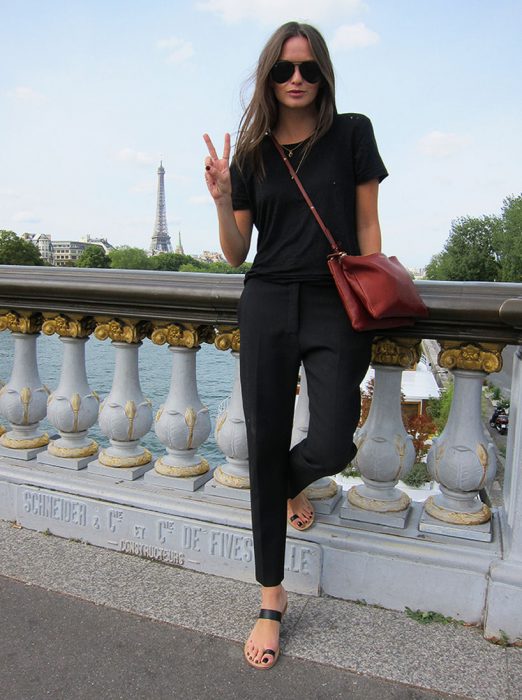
(282, 71)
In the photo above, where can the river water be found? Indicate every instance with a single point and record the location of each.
(215, 374)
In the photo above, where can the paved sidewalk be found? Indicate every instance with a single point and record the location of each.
(83, 622)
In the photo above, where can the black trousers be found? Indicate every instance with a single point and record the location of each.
(281, 326)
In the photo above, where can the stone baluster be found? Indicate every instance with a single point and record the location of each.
(2, 429)
(462, 459)
(23, 400)
(325, 492)
(503, 617)
(72, 408)
(125, 414)
(385, 450)
(231, 479)
(182, 423)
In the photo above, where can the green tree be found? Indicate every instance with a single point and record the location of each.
(93, 256)
(508, 240)
(439, 408)
(17, 251)
(127, 258)
(194, 266)
(469, 252)
(226, 268)
(169, 261)
(438, 267)
(218, 267)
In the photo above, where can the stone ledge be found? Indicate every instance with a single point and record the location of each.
(352, 561)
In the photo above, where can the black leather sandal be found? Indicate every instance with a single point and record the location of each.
(266, 614)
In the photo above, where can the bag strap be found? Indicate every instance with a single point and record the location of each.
(307, 199)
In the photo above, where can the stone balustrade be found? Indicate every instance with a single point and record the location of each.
(453, 553)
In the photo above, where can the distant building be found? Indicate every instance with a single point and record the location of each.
(179, 248)
(102, 242)
(63, 253)
(43, 242)
(211, 256)
(160, 242)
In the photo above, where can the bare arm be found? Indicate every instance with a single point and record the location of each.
(235, 227)
(368, 228)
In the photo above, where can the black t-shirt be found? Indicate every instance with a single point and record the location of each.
(291, 246)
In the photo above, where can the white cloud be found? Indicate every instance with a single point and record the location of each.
(129, 155)
(22, 93)
(440, 144)
(273, 11)
(26, 217)
(353, 36)
(175, 50)
(201, 200)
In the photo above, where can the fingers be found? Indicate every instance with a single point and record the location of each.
(226, 148)
(210, 146)
(212, 149)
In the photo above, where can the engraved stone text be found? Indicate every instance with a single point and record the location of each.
(55, 507)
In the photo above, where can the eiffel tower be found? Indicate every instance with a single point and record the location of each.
(160, 238)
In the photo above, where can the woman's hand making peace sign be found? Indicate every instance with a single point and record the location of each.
(217, 172)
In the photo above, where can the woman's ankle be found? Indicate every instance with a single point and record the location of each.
(273, 594)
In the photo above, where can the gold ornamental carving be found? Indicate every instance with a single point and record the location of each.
(182, 335)
(66, 327)
(76, 402)
(124, 462)
(479, 357)
(25, 398)
(130, 411)
(235, 482)
(181, 472)
(376, 505)
(397, 352)
(190, 419)
(122, 331)
(24, 444)
(456, 518)
(18, 323)
(228, 339)
(322, 491)
(73, 452)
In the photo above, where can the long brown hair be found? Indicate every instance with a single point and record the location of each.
(261, 113)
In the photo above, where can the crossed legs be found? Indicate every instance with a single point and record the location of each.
(282, 326)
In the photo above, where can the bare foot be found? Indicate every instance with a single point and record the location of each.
(300, 506)
(265, 634)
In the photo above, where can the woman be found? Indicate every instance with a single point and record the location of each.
(289, 310)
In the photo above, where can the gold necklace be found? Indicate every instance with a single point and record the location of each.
(295, 146)
(301, 161)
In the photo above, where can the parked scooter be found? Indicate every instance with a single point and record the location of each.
(500, 420)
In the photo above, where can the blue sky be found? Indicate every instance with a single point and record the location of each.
(93, 93)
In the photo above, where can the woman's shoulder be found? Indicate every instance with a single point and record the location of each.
(351, 120)
(246, 164)
(352, 127)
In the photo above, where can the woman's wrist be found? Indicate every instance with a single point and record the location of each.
(224, 201)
